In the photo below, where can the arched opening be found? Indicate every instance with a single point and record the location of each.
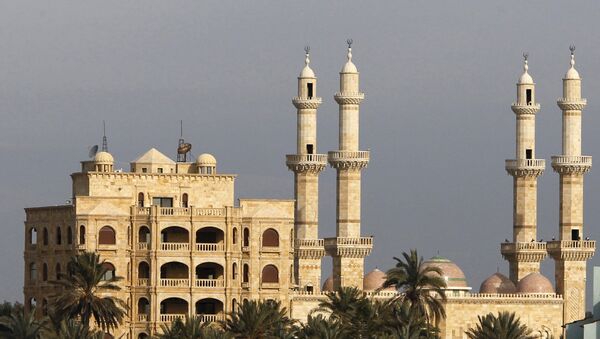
(184, 200)
(174, 274)
(270, 274)
(270, 238)
(140, 199)
(143, 309)
(110, 271)
(58, 236)
(209, 275)
(144, 237)
(45, 236)
(175, 238)
(234, 271)
(32, 236)
(292, 275)
(82, 235)
(234, 236)
(32, 272)
(209, 308)
(143, 336)
(107, 236)
(210, 239)
(246, 273)
(44, 272)
(57, 271)
(246, 237)
(69, 235)
(143, 274)
(233, 305)
(172, 308)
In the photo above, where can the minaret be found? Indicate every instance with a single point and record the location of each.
(348, 248)
(524, 253)
(307, 164)
(570, 252)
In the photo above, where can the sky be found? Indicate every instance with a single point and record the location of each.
(439, 78)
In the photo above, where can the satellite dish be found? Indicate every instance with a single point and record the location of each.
(184, 148)
(93, 151)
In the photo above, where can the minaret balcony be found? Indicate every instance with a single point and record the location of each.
(300, 163)
(571, 164)
(309, 248)
(525, 109)
(533, 251)
(307, 103)
(349, 98)
(359, 247)
(567, 104)
(349, 159)
(573, 250)
(525, 167)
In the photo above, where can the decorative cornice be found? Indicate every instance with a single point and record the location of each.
(309, 248)
(525, 109)
(523, 251)
(572, 250)
(566, 104)
(349, 98)
(307, 103)
(525, 167)
(349, 247)
(571, 164)
(306, 163)
(350, 160)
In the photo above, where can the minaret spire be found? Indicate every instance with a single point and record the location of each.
(104, 140)
(524, 253)
(307, 164)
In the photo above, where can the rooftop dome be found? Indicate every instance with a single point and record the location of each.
(572, 73)
(349, 66)
(451, 273)
(525, 78)
(535, 283)
(374, 280)
(307, 72)
(328, 285)
(497, 283)
(103, 156)
(206, 159)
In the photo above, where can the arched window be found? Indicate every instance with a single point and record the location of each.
(106, 236)
(141, 199)
(82, 235)
(143, 270)
(144, 235)
(246, 273)
(57, 271)
(45, 236)
(44, 272)
(292, 274)
(58, 236)
(33, 236)
(270, 274)
(184, 200)
(32, 272)
(110, 272)
(69, 235)
(246, 237)
(233, 305)
(143, 306)
(270, 238)
(234, 235)
(234, 271)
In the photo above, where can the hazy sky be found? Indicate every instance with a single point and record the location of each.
(439, 78)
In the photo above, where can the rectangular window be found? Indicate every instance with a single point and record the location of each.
(528, 95)
(309, 88)
(160, 170)
(162, 202)
(575, 234)
(528, 153)
(309, 148)
(144, 170)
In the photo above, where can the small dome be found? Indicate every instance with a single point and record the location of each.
(307, 72)
(206, 159)
(535, 283)
(104, 157)
(374, 280)
(497, 283)
(349, 66)
(525, 78)
(451, 273)
(572, 73)
(328, 285)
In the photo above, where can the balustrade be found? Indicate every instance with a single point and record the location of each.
(171, 317)
(208, 247)
(175, 282)
(142, 317)
(210, 283)
(143, 282)
(143, 246)
(175, 246)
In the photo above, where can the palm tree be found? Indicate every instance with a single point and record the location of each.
(7, 309)
(504, 326)
(73, 329)
(21, 325)
(403, 323)
(81, 286)
(191, 328)
(422, 285)
(319, 327)
(258, 319)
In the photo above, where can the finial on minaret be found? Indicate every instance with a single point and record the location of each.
(525, 64)
(572, 49)
(307, 51)
(572, 73)
(349, 42)
(104, 141)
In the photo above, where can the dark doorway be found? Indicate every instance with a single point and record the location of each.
(575, 234)
(528, 95)
(309, 87)
(309, 148)
(528, 153)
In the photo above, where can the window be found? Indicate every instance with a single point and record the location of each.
(107, 236)
(144, 235)
(184, 200)
(270, 238)
(270, 274)
(575, 234)
(528, 95)
(57, 271)
(160, 170)
(32, 236)
(162, 202)
(144, 170)
(234, 240)
(45, 236)
(528, 153)
(234, 271)
(309, 148)
(58, 236)
(141, 199)
(32, 272)
(110, 272)
(69, 235)
(309, 88)
(246, 237)
(44, 272)
(233, 304)
(246, 273)
(82, 235)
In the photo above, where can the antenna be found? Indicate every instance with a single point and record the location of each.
(183, 148)
(104, 141)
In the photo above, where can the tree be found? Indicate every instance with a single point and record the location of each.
(21, 325)
(191, 328)
(320, 327)
(258, 319)
(73, 329)
(422, 285)
(82, 286)
(403, 323)
(504, 326)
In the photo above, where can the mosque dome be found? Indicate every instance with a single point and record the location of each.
(497, 283)
(534, 283)
(451, 273)
(328, 285)
(307, 72)
(525, 78)
(349, 67)
(103, 157)
(572, 73)
(206, 159)
(374, 280)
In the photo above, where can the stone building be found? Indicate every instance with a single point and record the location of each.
(174, 232)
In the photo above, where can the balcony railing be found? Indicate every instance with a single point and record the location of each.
(210, 318)
(143, 282)
(539, 246)
(349, 241)
(245, 248)
(142, 317)
(207, 247)
(175, 282)
(142, 210)
(175, 246)
(210, 283)
(184, 211)
(572, 244)
(309, 242)
(143, 246)
(572, 160)
(348, 155)
(174, 211)
(171, 317)
(246, 285)
(304, 158)
(525, 163)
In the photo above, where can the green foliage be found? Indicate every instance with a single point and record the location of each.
(504, 326)
(72, 329)
(191, 328)
(259, 319)
(21, 325)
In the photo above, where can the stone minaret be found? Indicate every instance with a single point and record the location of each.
(348, 248)
(524, 253)
(306, 164)
(570, 252)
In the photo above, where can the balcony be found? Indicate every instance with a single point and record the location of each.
(210, 283)
(309, 248)
(568, 104)
(571, 164)
(524, 251)
(349, 159)
(142, 318)
(167, 318)
(208, 247)
(306, 162)
(358, 247)
(143, 282)
(525, 109)
(183, 211)
(174, 246)
(211, 318)
(166, 282)
(573, 250)
(307, 103)
(525, 167)
(143, 246)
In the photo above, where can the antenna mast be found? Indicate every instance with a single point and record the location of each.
(183, 148)
(104, 141)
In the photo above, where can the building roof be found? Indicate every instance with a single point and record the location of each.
(373, 280)
(153, 156)
(535, 283)
(497, 283)
(206, 160)
(104, 157)
(452, 274)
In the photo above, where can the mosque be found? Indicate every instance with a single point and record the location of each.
(184, 246)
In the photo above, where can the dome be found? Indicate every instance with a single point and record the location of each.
(451, 273)
(535, 283)
(374, 280)
(307, 72)
(103, 156)
(526, 79)
(497, 283)
(328, 285)
(572, 74)
(206, 160)
(349, 67)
